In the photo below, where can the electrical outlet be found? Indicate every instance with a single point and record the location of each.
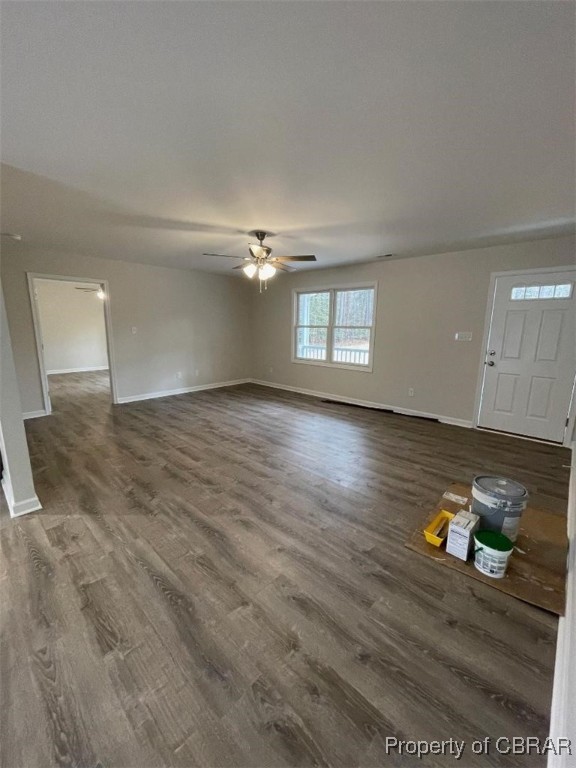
(271, 369)
(197, 372)
(134, 330)
(179, 375)
(410, 391)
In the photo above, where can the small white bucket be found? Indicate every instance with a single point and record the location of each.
(492, 551)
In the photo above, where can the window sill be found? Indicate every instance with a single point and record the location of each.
(343, 366)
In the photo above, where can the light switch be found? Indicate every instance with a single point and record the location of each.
(463, 336)
(134, 329)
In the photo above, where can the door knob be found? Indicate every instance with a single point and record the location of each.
(489, 362)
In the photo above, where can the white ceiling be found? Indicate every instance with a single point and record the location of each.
(154, 131)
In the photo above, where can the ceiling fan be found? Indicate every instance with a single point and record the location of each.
(261, 262)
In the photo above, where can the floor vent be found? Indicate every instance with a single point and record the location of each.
(358, 405)
(380, 410)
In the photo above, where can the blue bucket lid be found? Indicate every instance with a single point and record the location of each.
(501, 487)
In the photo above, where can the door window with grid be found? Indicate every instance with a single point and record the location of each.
(335, 326)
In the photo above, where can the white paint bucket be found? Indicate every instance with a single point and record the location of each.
(492, 551)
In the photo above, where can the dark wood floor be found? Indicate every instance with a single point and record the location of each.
(220, 579)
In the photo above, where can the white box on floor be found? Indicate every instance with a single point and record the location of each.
(460, 532)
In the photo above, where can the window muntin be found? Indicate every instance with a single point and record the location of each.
(335, 326)
(532, 292)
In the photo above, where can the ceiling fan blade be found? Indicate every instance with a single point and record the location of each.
(296, 258)
(224, 256)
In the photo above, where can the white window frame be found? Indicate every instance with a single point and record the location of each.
(333, 289)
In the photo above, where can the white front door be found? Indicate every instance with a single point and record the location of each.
(531, 355)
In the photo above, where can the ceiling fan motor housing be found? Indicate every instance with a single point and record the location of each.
(260, 252)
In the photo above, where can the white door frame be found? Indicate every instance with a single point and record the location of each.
(32, 276)
(569, 429)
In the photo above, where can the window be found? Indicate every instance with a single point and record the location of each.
(530, 292)
(335, 326)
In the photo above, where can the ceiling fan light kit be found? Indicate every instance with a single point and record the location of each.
(250, 270)
(266, 271)
(261, 263)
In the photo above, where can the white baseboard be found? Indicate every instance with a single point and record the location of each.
(77, 370)
(366, 403)
(25, 507)
(181, 391)
(563, 714)
(466, 423)
(287, 387)
(18, 508)
(34, 414)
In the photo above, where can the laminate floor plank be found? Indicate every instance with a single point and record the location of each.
(220, 579)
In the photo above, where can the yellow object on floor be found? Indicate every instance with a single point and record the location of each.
(436, 531)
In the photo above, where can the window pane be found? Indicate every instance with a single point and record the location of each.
(311, 343)
(351, 345)
(546, 292)
(563, 291)
(313, 308)
(354, 307)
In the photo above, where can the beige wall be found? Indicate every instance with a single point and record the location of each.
(73, 328)
(223, 328)
(192, 322)
(422, 303)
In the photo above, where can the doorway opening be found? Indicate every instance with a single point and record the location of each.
(528, 369)
(72, 327)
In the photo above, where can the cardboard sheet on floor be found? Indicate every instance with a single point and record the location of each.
(537, 569)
